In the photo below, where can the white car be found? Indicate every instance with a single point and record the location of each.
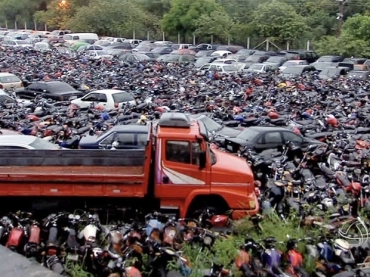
(292, 63)
(221, 53)
(224, 61)
(220, 68)
(107, 98)
(98, 54)
(260, 68)
(9, 81)
(9, 142)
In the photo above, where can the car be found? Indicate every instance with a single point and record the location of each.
(213, 127)
(162, 50)
(260, 68)
(133, 57)
(291, 63)
(125, 136)
(10, 142)
(295, 71)
(56, 90)
(260, 138)
(105, 97)
(220, 68)
(9, 81)
(17, 44)
(308, 55)
(6, 99)
(333, 72)
(99, 54)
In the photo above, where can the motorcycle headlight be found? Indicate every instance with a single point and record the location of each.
(207, 240)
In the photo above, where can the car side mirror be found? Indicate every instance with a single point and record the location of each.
(202, 160)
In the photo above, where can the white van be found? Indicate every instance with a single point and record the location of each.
(70, 38)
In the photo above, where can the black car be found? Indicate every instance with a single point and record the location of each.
(262, 138)
(55, 90)
(308, 55)
(124, 136)
(212, 126)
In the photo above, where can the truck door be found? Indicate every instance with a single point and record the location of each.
(178, 171)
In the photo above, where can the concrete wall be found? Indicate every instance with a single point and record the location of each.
(15, 265)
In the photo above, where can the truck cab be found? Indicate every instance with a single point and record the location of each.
(190, 173)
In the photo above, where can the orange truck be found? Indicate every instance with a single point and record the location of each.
(177, 171)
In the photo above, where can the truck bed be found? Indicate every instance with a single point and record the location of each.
(110, 173)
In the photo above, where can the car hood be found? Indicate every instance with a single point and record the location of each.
(231, 169)
(228, 132)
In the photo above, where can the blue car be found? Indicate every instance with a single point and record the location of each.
(121, 136)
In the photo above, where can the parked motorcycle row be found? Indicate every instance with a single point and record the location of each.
(322, 186)
(157, 246)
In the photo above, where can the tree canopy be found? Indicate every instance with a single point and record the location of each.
(281, 21)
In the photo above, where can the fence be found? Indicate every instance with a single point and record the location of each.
(251, 42)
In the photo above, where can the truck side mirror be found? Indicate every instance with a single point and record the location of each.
(202, 160)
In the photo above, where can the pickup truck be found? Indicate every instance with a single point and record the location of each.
(177, 172)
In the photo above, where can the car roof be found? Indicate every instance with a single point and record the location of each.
(108, 91)
(21, 139)
(130, 128)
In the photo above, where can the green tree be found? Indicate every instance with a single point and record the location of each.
(119, 18)
(345, 45)
(57, 15)
(279, 22)
(157, 8)
(217, 24)
(183, 16)
(358, 26)
(322, 24)
(12, 11)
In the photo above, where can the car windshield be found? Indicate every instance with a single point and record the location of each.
(230, 68)
(210, 124)
(39, 143)
(253, 58)
(248, 135)
(9, 79)
(61, 87)
(274, 59)
(122, 97)
(290, 63)
(256, 66)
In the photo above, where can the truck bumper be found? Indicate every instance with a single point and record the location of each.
(242, 213)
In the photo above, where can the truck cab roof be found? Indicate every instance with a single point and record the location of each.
(178, 125)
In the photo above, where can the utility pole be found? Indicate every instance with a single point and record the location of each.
(341, 4)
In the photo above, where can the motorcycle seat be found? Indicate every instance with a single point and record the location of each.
(343, 180)
(277, 120)
(304, 122)
(326, 170)
(250, 120)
